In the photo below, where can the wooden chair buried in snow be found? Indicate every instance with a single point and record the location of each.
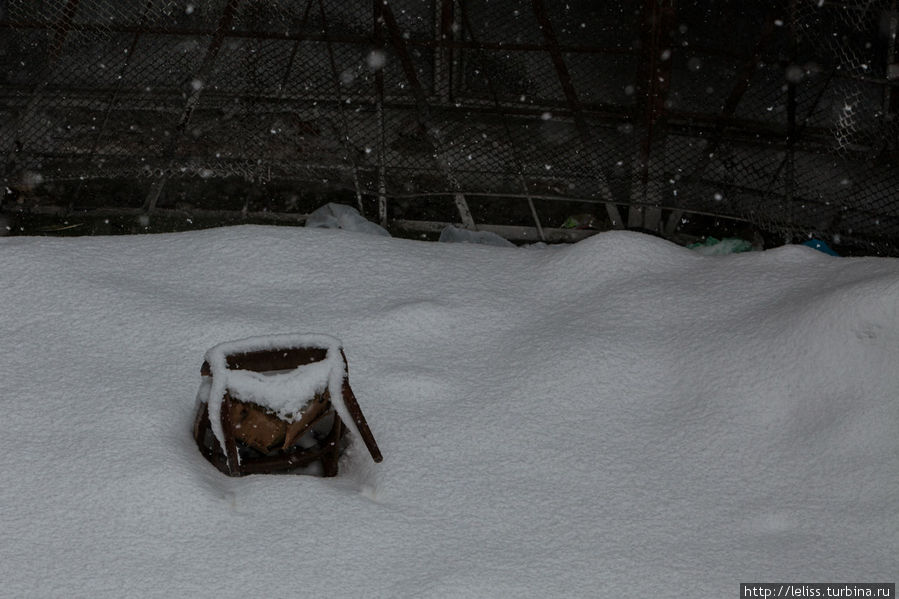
(278, 404)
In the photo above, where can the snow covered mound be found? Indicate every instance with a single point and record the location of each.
(620, 417)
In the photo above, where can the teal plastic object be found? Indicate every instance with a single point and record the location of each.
(819, 245)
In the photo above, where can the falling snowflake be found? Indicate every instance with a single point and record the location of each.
(376, 59)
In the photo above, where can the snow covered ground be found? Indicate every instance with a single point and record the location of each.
(617, 418)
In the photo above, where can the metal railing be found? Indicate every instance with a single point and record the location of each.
(511, 113)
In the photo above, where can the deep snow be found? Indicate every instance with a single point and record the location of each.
(621, 417)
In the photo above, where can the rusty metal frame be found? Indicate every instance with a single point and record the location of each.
(656, 66)
(891, 95)
(588, 141)
(736, 94)
(296, 45)
(656, 125)
(445, 22)
(344, 134)
(380, 43)
(193, 98)
(60, 29)
(112, 101)
(519, 164)
(424, 112)
(449, 43)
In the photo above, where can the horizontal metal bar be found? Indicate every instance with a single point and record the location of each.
(54, 210)
(509, 232)
(193, 32)
(688, 123)
(574, 200)
(299, 218)
(320, 37)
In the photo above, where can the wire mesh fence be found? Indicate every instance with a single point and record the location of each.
(509, 113)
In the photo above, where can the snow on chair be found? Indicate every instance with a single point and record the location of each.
(277, 404)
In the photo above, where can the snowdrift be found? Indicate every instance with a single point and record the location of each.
(620, 417)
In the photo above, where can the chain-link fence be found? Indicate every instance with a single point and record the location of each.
(508, 114)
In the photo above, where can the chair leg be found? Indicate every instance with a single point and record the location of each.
(230, 444)
(330, 453)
